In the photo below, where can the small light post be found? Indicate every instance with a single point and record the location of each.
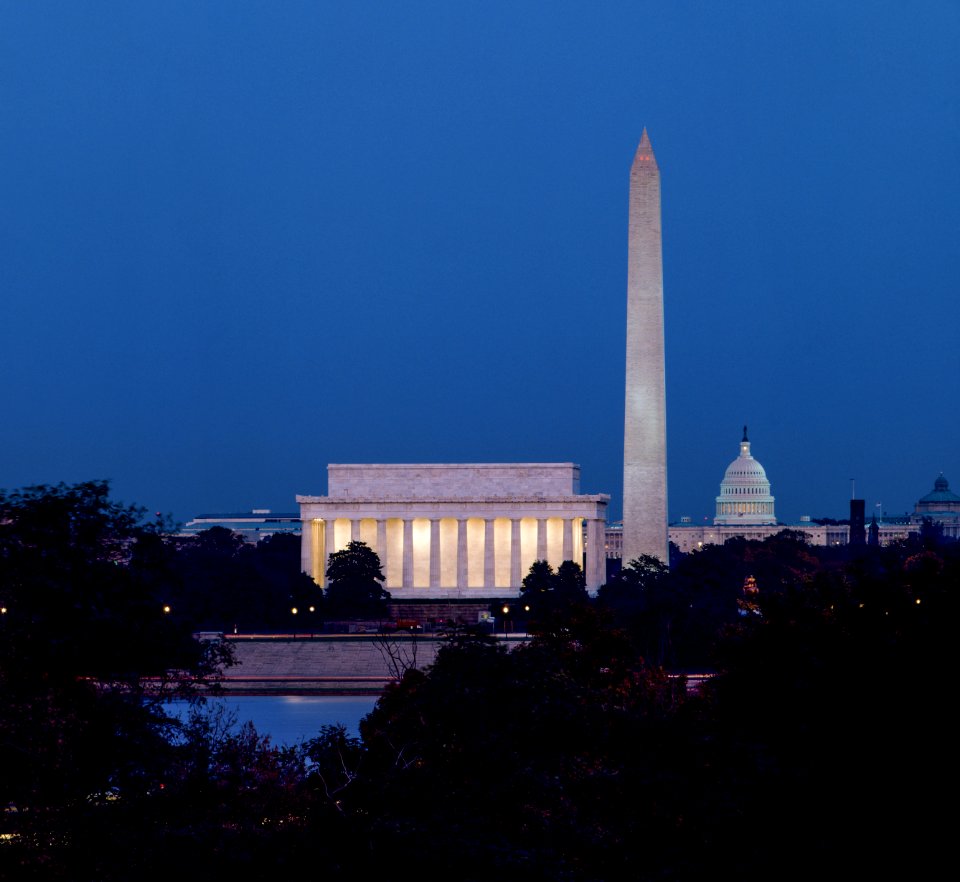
(293, 612)
(506, 612)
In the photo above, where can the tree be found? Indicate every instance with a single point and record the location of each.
(88, 639)
(538, 581)
(355, 583)
(552, 761)
(550, 593)
(570, 584)
(226, 583)
(640, 599)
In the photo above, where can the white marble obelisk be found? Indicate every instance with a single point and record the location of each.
(645, 417)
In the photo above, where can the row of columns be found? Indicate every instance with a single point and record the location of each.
(744, 508)
(594, 571)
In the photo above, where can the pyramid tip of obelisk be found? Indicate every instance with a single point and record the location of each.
(644, 152)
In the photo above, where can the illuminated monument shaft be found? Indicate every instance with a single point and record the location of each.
(645, 417)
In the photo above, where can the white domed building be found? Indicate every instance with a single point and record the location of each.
(745, 510)
(745, 499)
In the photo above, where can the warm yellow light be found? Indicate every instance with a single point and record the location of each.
(506, 609)
(3, 610)
(294, 610)
(166, 608)
(918, 600)
(313, 609)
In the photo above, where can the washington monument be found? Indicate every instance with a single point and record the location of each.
(645, 417)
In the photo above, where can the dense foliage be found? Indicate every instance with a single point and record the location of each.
(225, 584)
(87, 653)
(355, 583)
(819, 748)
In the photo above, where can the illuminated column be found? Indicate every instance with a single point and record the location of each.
(601, 561)
(462, 553)
(434, 552)
(382, 543)
(329, 543)
(596, 571)
(407, 553)
(307, 541)
(354, 529)
(567, 539)
(489, 573)
(541, 538)
(515, 577)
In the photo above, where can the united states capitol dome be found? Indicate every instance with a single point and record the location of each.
(745, 492)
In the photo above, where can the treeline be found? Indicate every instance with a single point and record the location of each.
(219, 582)
(821, 747)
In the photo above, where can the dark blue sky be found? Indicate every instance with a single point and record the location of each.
(240, 240)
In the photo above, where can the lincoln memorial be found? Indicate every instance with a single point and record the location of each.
(459, 531)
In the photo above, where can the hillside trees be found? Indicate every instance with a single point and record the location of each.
(524, 763)
(86, 638)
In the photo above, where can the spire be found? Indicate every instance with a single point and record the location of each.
(644, 156)
(745, 438)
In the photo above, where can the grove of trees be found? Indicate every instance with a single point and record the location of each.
(821, 747)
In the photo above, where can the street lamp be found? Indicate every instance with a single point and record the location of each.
(506, 611)
(293, 612)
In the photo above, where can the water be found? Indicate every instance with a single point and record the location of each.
(289, 718)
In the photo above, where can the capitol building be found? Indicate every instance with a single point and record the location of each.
(745, 499)
(745, 509)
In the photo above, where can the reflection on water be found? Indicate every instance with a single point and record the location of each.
(289, 718)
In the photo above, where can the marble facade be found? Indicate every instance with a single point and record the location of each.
(456, 531)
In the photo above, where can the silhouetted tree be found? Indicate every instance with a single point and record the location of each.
(87, 639)
(225, 582)
(538, 580)
(355, 583)
(569, 584)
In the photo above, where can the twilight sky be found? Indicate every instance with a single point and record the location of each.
(240, 240)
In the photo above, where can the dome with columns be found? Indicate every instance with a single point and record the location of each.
(745, 492)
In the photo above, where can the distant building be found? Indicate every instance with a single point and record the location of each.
(745, 509)
(745, 499)
(858, 522)
(942, 506)
(252, 525)
(463, 531)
